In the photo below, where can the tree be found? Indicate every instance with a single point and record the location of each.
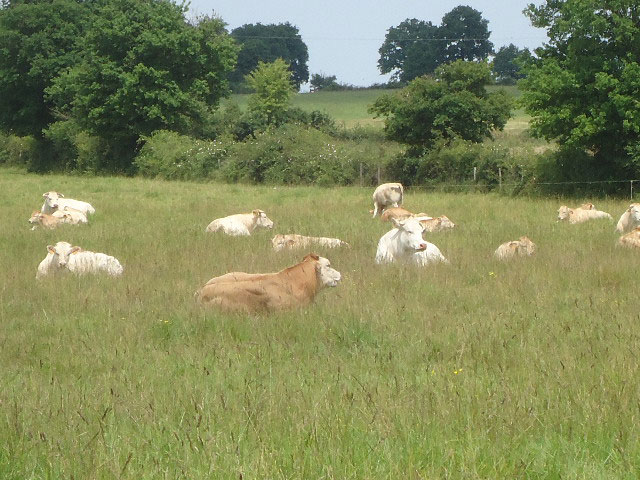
(507, 63)
(416, 47)
(582, 87)
(465, 34)
(37, 42)
(146, 69)
(266, 43)
(453, 104)
(409, 50)
(273, 88)
(323, 82)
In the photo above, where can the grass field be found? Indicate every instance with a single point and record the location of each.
(472, 370)
(350, 108)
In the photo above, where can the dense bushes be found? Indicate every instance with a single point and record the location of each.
(453, 165)
(172, 156)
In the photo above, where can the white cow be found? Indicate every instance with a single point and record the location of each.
(523, 247)
(55, 201)
(291, 241)
(630, 219)
(387, 195)
(241, 224)
(581, 214)
(404, 243)
(62, 257)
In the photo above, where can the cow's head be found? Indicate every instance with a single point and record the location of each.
(261, 219)
(410, 234)
(445, 222)
(526, 245)
(634, 212)
(35, 217)
(279, 242)
(328, 276)
(588, 206)
(61, 252)
(563, 213)
(51, 199)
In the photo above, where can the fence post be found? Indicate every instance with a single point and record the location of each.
(631, 189)
(378, 174)
(361, 178)
(475, 171)
(500, 177)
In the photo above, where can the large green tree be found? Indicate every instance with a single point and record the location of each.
(266, 43)
(145, 68)
(417, 47)
(507, 63)
(272, 86)
(38, 41)
(452, 104)
(582, 88)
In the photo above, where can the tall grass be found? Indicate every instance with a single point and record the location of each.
(474, 370)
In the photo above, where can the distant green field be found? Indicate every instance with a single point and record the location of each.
(474, 370)
(350, 108)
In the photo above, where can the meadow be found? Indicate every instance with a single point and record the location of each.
(477, 369)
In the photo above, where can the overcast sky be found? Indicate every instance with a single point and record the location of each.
(343, 36)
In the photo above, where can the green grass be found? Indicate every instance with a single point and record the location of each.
(474, 370)
(350, 107)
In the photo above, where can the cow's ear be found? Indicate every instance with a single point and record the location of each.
(61, 195)
(396, 223)
(50, 249)
(256, 213)
(44, 195)
(74, 250)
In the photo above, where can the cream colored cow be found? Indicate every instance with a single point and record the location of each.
(240, 224)
(581, 214)
(387, 195)
(523, 247)
(630, 219)
(291, 241)
(631, 239)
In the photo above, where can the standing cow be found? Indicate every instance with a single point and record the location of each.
(387, 195)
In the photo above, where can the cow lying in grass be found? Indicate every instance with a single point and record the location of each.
(291, 241)
(57, 218)
(581, 214)
(241, 224)
(292, 287)
(63, 257)
(404, 243)
(630, 219)
(631, 239)
(55, 201)
(517, 248)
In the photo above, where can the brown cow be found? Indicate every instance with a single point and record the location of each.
(292, 287)
(399, 213)
(631, 239)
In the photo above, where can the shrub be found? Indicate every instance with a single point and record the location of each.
(19, 151)
(291, 154)
(172, 156)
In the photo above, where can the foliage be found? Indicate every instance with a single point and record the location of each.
(582, 87)
(267, 43)
(271, 83)
(146, 69)
(18, 151)
(453, 104)
(417, 47)
(290, 155)
(323, 82)
(38, 41)
(172, 156)
(506, 64)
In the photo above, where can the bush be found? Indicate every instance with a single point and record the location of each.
(172, 156)
(19, 151)
(291, 154)
(453, 165)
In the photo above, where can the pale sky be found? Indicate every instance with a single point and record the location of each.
(343, 37)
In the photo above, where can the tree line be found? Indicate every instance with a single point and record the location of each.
(102, 75)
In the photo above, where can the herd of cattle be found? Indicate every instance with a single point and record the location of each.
(299, 284)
